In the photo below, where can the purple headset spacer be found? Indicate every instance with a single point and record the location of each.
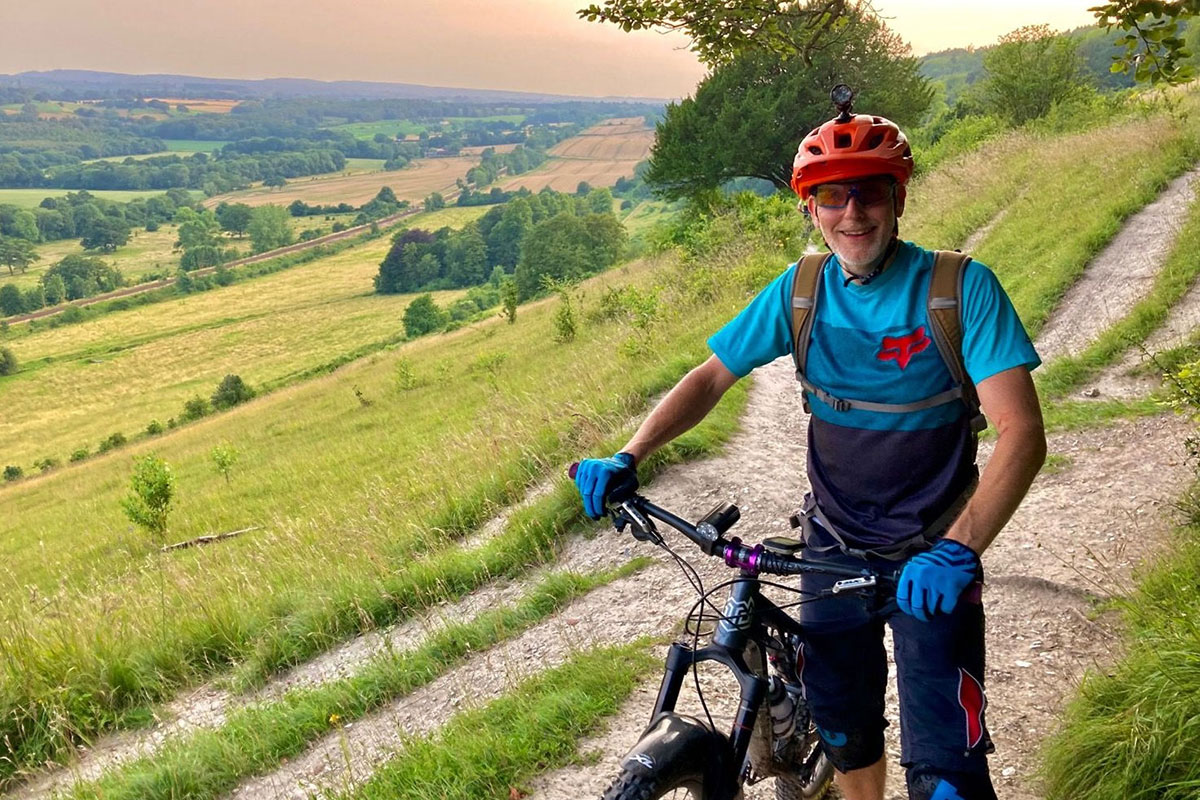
(750, 564)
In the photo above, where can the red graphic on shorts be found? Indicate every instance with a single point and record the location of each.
(901, 349)
(973, 702)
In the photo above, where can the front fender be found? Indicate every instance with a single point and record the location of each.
(676, 747)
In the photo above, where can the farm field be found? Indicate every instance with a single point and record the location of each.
(413, 183)
(117, 373)
(599, 156)
(177, 147)
(401, 128)
(32, 198)
(123, 369)
(201, 105)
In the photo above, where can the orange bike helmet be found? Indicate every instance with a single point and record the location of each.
(851, 146)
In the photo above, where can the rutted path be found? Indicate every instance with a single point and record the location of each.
(1121, 274)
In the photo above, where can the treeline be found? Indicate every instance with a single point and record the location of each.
(96, 221)
(548, 234)
(73, 278)
(212, 175)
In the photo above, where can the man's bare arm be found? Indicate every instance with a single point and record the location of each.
(685, 405)
(1010, 401)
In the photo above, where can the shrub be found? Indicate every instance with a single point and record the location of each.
(406, 376)
(423, 316)
(46, 464)
(230, 392)
(195, 408)
(79, 455)
(114, 441)
(8, 361)
(154, 428)
(12, 472)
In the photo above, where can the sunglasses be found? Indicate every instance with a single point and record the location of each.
(868, 193)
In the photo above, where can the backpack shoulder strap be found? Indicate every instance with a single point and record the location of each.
(805, 284)
(945, 316)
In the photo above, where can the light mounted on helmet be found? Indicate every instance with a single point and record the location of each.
(850, 147)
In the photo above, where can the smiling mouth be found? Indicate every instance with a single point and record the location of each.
(856, 234)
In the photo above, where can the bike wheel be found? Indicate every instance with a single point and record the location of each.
(811, 776)
(634, 786)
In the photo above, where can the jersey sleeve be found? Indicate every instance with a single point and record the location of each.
(761, 332)
(994, 339)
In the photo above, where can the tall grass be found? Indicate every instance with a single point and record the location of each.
(1133, 731)
(255, 738)
(492, 752)
(359, 502)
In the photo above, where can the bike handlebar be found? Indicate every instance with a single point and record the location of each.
(637, 511)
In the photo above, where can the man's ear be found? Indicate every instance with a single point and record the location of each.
(901, 196)
(811, 205)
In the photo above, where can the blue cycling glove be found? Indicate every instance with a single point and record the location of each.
(932, 581)
(596, 476)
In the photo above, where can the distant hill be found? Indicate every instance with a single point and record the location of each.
(961, 67)
(87, 84)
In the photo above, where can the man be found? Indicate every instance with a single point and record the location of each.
(897, 488)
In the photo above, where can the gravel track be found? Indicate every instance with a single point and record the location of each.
(1121, 274)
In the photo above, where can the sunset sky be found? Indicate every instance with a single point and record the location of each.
(529, 45)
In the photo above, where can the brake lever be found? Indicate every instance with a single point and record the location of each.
(643, 526)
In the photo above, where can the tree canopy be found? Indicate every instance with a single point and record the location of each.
(1029, 71)
(719, 32)
(748, 116)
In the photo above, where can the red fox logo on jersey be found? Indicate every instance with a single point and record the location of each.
(901, 349)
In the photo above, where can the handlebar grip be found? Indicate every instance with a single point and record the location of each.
(571, 470)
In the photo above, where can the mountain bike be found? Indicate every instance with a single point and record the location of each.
(772, 734)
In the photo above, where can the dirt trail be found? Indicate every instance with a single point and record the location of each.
(1121, 274)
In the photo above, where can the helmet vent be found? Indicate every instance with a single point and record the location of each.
(841, 140)
(816, 151)
(879, 120)
(875, 141)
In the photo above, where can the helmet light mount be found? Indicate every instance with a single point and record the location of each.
(843, 99)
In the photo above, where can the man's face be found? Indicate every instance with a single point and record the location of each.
(860, 230)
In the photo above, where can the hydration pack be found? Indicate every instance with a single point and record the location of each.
(944, 304)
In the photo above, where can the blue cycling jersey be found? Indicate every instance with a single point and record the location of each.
(881, 477)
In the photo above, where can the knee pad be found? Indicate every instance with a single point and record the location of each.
(848, 750)
(927, 782)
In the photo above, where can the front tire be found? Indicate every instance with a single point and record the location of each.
(634, 786)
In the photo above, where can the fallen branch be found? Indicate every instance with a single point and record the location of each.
(199, 540)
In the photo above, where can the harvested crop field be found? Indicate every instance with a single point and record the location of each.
(207, 105)
(413, 183)
(599, 156)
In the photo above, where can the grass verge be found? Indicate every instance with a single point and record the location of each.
(1133, 731)
(490, 752)
(255, 739)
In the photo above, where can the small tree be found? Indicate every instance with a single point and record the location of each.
(435, 201)
(17, 253)
(1030, 70)
(270, 227)
(509, 296)
(565, 325)
(8, 361)
(224, 456)
(149, 500)
(12, 473)
(230, 392)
